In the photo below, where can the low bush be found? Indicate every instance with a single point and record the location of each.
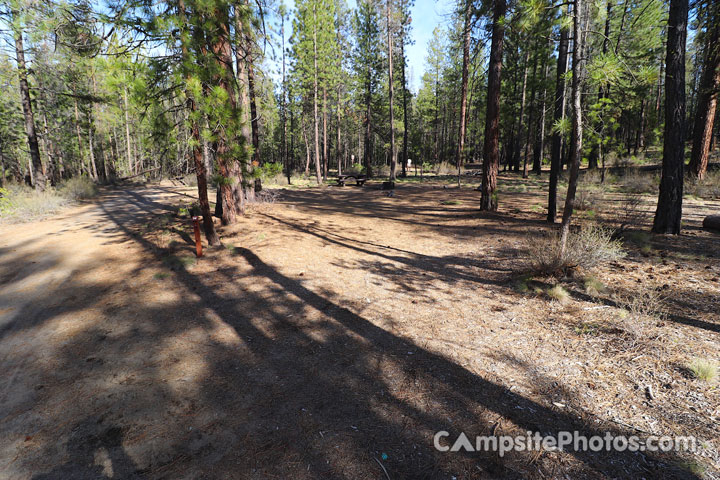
(638, 182)
(445, 168)
(269, 170)
(78, 188)
(587, 199)
(355, 169)
(586, 248)
(645, 303)
(382, 171)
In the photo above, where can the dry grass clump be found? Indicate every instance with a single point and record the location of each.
(586, 248)
(644, 306)
(20, 203)
(445, 168)
(78, 188)
(639, 182)
(703, 369)
(708, 188)
(558, 293)
(587, 199)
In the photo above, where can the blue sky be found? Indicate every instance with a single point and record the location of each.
(426, 15)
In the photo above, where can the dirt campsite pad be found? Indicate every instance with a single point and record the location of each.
(334, 334)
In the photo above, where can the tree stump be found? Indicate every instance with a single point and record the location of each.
(712, 222)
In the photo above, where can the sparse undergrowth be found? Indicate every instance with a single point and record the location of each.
(20, 203)
(586, 248)
(708, 188)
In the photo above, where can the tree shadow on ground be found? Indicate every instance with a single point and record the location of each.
(300, 387)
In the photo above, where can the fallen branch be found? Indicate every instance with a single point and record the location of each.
(138, 174)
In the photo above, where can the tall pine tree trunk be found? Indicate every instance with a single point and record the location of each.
(405, 109)
(338, 152)
(315, 98)
(91, 147)
(81, 149)
(491, 157)
(521, 119)
(464, 90)
(602, 90)
(253, 109)
(230, 168)
(539, 145)
(580, 27)
(707, 97)
(393, 157)
(557, 137)
(128, 149)
(200, 172)
(669, 208)
(283, 110)
(531, 118)
(325, 137)
(36, 168)
(367, 150)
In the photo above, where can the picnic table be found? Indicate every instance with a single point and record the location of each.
(359, 179)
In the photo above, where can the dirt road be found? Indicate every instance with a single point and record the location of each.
(123, 357)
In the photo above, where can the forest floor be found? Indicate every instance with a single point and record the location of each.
(337, 331)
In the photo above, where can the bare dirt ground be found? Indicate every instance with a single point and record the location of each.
(333, 335)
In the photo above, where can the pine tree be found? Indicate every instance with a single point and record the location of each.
(668, 214)
(367, 66)
(491, 155)
(708, 93)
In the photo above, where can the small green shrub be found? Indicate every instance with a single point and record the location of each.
(521, 284)
(587, 328)
(355, 169)
(593, 286)
(270, 170)
(703, 369)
